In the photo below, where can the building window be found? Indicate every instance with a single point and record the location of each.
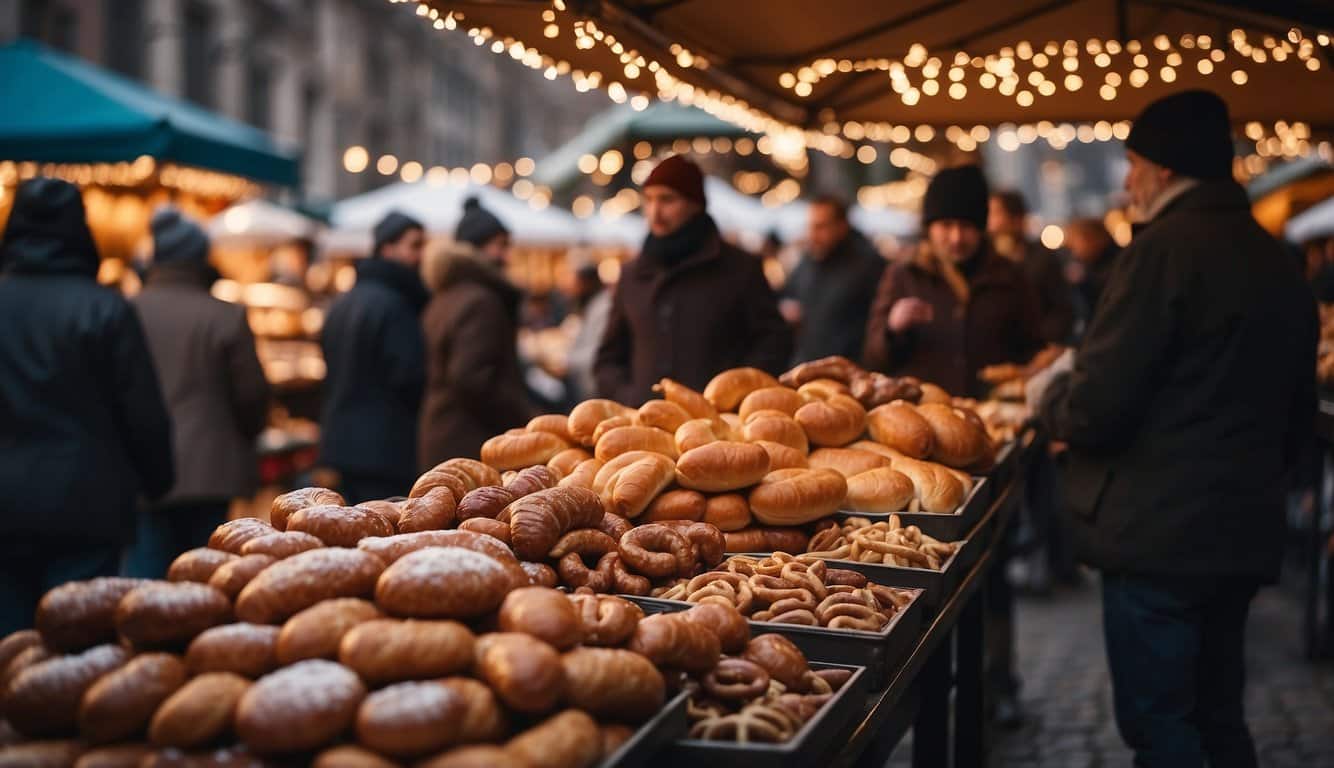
(53, 23)
(124, 29)
(259, 94)
(198, 28)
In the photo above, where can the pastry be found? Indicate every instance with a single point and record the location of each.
(780, 658)
(43, 698)
(198, 565)
(477, 472)
(692, 401)
(483, 718)
(538, 520)
(169, 615)
(901, 427)
(410, 719)
(727, 512)
(121, 704)
(631, 487)
(583, 474)
(782, 399)
(391, 548)
(281, 545)
(670, 641)
(726, 390)
(680, 504)
(15, 643)
(389, 510)
(846, 461)
(317, 631)
(613, 684)
(287, 504)
(33, 654)
(232, 577)
(607, 621)
(81, 614)
(657, 551)
(339, 526)
(232, 535)
(540, 574)
(835, 421)
(724, 621)
(696, 432)
(249, 650)
(531, 480)
(198, 713)
(661, 414)
(564, 463)
(431, 511)
(797, 496)
(292, 585)
(621, 440)
(834, 367)
(570, 739)
(446, 583)
(389, 650)
(524, 672)
(775, 427)
(299, 708)
(555, 423)
(525, 449)
(783, 456)
(454, 479)
(586, 416)
(543, 613)
(488, 527)
(722, 466)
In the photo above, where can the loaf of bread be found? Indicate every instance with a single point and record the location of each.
(847, 461)
(680, 504)
(198, 565)
(524, 449)
(410, 719)
(722, 466)
(555, 423)
(797, 496)
(391, 548)
(564, 462)
(169, 615)
(42, 700)
(351, 756)
(300, 581)
(630, 482)
(432, 511)
(120, 704)
(879, 490)
(661, 414)
(781, 399)
(631, 438)
(900, 426)
(317, 632)
(390, 650)
(727, 512)
(543, 613)
(389, 510)
(693, 402)
(248, 650)
(281, 545)
(783, 456)
(775, 427)
(586, 416)
(200, 712)
(613, 684)
(232, 535)
(832, 422)
(446, 583)
(524, 672)
(583, 474)
(287, 504)
(672, 642)
(696, 432)
(339, 526)
(81, 614)
(728, 389)
(232, 577)
(960, 441)
(538, 520)
(299, 708)
(570, 739)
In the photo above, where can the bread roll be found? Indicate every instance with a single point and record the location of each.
(169, 615)
(937, 489)
(555, 423)
(570, 739)
(487, 527)
(524, 672)
(543, 613)
(696, 432)
(791, 540)
(292, 585)
(249, 650)
(583, 474)
(458, 482)
(625, 439)
(121, 704)
(299, 708)
(934, 394)
(117, 756)
(232, 535)
(779, 398)
(722, 466)
(586, 416)
(565, 462)
(81, 614)
(672, 642)
(783, 456)
(316, 632)
(43, 699)
(339, 526)
(775, 427)
(680, 504)
(41, 754)
(446, 583)
(847, 461)
(389, 650)
(349, 756)
(780, 658)
(34, 654)
(900, 426)
(287, 504)
(726, 390)
(280, 546)
(232, 577)
(832, 422)
(797, 496)
(612, 684)
(731, 628)
(959, 441)
(198, 565)
(538, 520)
(200, 712)
(389, 510)
(521, 450)
(531, 480)
(483, 719)
(629, 486)
(879, 490)
(822, 389)
(410, 719)
(432, 511)
(391, 548)
(661, 414)
(484, 756)
(477, 472)
(15, 643)
(727, 512)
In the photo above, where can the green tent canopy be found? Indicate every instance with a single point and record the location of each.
(63, 110)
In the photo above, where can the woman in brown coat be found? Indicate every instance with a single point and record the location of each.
(474, 384)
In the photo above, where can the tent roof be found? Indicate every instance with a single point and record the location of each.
(1316, 221)
(64, 110)
(260, 222)
(749, 44)
(1285, 174)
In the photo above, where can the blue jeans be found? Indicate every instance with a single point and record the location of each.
(31, 565)
(164, 532)
(1175, 646)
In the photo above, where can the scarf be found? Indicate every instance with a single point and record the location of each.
(680, 245)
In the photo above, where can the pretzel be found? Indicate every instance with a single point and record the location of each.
(771, 589)
(608, 621)
(810, 575)
(587, 542)
(851, 610)
(736, 680)
(657, 551)
(801, 616)
(754, 723)
(742, 564)
(623, 581)
(676, 590)
(887, 596)
(574, 573)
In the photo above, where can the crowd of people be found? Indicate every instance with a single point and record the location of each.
(1174, 379)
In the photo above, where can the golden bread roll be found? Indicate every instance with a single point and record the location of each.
(410, 719)
(831, 367)
(543, 613)
(900, 426)
(316, 632)
(287, 504)
(726, 390)
(783, 456)
(781, 399)
(233, 534)
(725, 621)
(722, 466)
(446, 583)
(797, 496)
(565, 462)
(583, 474)
(299, 708)
(170, 614)
(959, 441)
(937, 489)
(349, 756)
(121, 704)
(556, 423)
(478, 472)
(832, 422)
(115, 756)
(292, 585)
(879, 490)
(455, 479)
(524, 672)
(585, 417)
(870, 446)
(389, 650)
(198, 713)
(389, 510)
(672, 642)
(432, 511)
(14, 644)
(41, 754)
(628, 487)
(43, 699)
(696, 432)
(198, 564)
(340, 526)
(570, 739)
(391, 548)
(249, 650)
(282, 545)
(537, 521)
(81, 614)
(625, 439)
(613, 684)
(846, 461)
(934, 394)
(232, 577)
(521, 450)
(484, 719)
(662, 414)
(775, 427)
(727, 512)
(615, 422)
(692, 401)
(680, 504)
(479, 756)
(822, 389)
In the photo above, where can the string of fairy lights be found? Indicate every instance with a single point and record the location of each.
(140, 172)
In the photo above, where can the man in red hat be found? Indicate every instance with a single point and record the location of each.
(691, 304)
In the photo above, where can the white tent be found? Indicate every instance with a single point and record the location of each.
(1315, 222)
(260, 223)
(626, 230)
(738, 214)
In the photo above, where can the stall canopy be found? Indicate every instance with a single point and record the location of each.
(260, 223)
(1316, 222)
(64, 110)
(929, 62)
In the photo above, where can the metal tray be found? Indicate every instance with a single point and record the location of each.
(810, 746)
(880, 652)
(945, 527)
(652, 737)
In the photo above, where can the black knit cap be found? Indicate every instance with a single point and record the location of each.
(478, 225)
(176, 238)
(957, 193)
(393, 226)
(1188, 132)
(48, 227)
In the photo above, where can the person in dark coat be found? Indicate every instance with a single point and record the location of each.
(1006, 223)
(474, 385)
(828, 296)
(216, 393)
(85, 428)
(1187, 401)
(1093, 252)
(956, 306)
(373, 346)
(691, 304)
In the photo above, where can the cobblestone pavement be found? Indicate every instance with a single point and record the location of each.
(1068, 701)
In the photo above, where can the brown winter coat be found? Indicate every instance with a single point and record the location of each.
(215, 390)
(988, 318)
(474, 385)
(710, 311)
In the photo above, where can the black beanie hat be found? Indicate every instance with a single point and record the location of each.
(478, 225)
(957, 193)
(393, 226)
(48, 230)
(1188, 132)
(177, 238)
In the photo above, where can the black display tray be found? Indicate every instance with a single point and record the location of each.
(811, 745)
(880, 652)
(651, 738)
(945, 527)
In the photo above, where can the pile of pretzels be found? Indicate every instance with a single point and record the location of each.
(884, 542)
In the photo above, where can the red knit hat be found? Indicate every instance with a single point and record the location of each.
(681, 176)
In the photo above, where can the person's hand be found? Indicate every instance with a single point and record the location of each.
(790, 309)
(1037, 384)
(908, 313)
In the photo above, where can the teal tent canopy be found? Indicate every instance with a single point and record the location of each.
(63, 110)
